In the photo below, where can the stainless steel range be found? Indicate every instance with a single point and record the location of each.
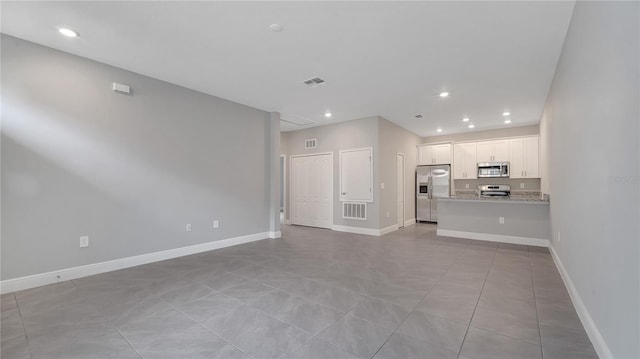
(494, 190)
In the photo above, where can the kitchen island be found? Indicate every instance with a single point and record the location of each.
(520, 218)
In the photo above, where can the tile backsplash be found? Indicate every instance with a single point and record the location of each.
(521, 184)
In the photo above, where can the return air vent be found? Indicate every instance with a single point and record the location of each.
(354, 210)
(315, 82)
(311, 143)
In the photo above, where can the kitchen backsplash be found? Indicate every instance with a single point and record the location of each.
(517, 185)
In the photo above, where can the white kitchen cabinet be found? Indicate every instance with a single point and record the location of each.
(524, 157)
(434, 154)
(493, 151)
(465, 161)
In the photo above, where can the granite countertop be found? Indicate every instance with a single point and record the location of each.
(515, 197)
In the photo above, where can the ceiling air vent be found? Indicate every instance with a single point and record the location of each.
(312, 143)
(315, 82)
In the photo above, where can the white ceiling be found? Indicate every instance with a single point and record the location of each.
(379, 58)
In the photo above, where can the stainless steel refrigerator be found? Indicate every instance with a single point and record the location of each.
(432, 182)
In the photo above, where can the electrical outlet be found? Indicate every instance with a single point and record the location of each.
(558, 236)
(188, 227)
(501, 220)
(216, 223)
(466, 186)
(387, 214)
(382, 185)
(521, 185)
(84, 241)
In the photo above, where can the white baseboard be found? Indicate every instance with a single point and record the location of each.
(36, 280)
(367, 231)
(409, 222)
(495, 237)
(276, 234)
(599, 344)
(386, 230)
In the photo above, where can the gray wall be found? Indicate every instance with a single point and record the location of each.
(129, 171)
(395, 139)
(590, 135)
(333, 138)
(520, 219)
(485, 135)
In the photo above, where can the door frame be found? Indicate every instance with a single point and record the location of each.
(404, 188)
(333, 187)
(284, 186)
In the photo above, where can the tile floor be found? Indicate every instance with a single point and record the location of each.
(312, 294)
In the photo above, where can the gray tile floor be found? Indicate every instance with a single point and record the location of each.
(312, 294)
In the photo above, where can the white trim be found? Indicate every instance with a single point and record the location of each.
(409, 222)
(276, 234)
(371, 188)
(367, 231)
(284, 185)
(539, 242)
(404, 185)
(389, 229)
(36, 280)
(599, 344)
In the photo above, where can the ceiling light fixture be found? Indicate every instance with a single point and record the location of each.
(471, 126)
(275, 27)
(68, 32)
(506, 113)
(466, 119)
(418, 116)
(444, 94)
(439, 130)
(328, 114)
(507, 121)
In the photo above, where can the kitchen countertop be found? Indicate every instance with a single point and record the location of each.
(524, 197)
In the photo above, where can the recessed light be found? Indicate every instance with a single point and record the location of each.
(275, 27)
(507, 121)
(506, 113)
(444, 94)
(439, 130)
(471, 126)
(466, 119)
(68, 32)
(328, 114)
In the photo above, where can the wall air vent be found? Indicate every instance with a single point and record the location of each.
(315, 82)
(311, 143)
(354, 210)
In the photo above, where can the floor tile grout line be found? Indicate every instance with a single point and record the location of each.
(126, 340)
(464, 338)
(421, 300)
(211, 331)
(535, 304)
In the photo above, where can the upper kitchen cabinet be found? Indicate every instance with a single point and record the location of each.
(464, 161)
(524, 157)
(434, 154)
(493, 151)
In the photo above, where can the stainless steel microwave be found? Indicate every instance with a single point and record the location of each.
(493, 169)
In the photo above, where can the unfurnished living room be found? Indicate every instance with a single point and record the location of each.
(320, 179)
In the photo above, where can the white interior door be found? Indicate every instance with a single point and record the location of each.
(356, 175)
(312, 190)
(400, 188)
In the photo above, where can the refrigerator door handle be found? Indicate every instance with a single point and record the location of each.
(430, 187)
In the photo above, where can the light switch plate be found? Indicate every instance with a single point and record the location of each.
(188, 227)
(216, 223)
(382, 185)
(501, 220)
